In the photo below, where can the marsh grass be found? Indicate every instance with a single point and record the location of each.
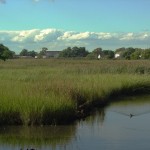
(55, 91)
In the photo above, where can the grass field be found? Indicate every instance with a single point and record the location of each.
(56, 91)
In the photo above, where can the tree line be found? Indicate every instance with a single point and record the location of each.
(81, 52)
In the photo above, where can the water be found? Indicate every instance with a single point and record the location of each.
(111, 128)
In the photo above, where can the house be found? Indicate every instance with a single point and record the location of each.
(117, 55)
(54, 54)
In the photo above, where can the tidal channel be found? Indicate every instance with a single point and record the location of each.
(122, 125)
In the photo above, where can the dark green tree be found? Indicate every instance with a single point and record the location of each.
(5, 53)
(146, 54)
(97, 51)
(120, 51)
(127, 53)
(108, 54)
(24, 52)
(92, 56)
(74, 52)
(66, 52)
(32, 53)
(42, 52)
(137, 54)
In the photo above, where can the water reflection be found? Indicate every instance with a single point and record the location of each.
(35, 137)
(110, 128)
(117, 131)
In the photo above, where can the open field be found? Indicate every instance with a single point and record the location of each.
(55, 91)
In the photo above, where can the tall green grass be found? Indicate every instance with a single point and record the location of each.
(53, 91)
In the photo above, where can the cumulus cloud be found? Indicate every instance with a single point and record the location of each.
(55, 39)
(74, 36)
(47, 34)
(135, 36)
(22, 36)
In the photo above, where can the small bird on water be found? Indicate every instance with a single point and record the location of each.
(131, 115)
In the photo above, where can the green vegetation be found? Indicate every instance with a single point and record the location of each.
(74, 52)
(122, 53)
(5, 53)
(56, 91)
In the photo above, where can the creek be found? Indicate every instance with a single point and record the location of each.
(122, 125)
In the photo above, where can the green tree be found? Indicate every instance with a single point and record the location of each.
(97, 51)
(91, 56)
(108, 54)
(146, 54)
(137, 54)
(127, 53)
(66, 52)
(24, 52)
(42, 52)
(5, 53)
(74, 52)
(120, 51)
(32, 53)
(79, 52)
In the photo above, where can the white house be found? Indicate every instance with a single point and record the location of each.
(117, 55)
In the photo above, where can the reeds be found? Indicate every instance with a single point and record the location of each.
(55, 91)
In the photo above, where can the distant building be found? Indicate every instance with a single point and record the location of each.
(117, 55)
(54, 54)
(99, 56)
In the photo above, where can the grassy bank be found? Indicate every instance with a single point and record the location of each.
(59, 91)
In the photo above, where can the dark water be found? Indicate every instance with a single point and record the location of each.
(123, 125)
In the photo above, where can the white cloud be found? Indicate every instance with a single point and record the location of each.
(74, 36)
(135, 36)
(23, 35)
(104, 35)
(128, 36)
(47, 34)
(55, 39)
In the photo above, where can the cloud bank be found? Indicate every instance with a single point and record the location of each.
(55, 39)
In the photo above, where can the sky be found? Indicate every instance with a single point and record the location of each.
(58, 24)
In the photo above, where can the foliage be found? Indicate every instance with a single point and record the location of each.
(42, 52)
(74, 52)
(97, 51)
(136, 54)
(108, 54)
(104, 54)
(91, 56)
(25, 52)
(146, 54)
(127, 53)
(55, 91)
(133, 53)
(5, 53)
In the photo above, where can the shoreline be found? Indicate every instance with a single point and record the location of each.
(55, 92)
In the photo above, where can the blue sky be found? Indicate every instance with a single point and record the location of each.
(57, 24)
